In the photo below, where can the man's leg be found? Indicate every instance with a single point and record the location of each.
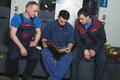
(13, 58)
(32, 59)
(62, 66)
(100, 62)
(48, 60)
(77, 55)
(14, 68)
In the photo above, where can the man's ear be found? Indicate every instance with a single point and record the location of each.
(88, 16)
(57, 16)
(27, 9)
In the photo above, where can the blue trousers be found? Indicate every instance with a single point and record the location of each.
(57, 70)
(99, 59)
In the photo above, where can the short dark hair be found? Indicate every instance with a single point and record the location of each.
(30, 3)
(84, 11)
(64, 14)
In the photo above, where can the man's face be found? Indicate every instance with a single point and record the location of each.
(33, 10)
(62, 21)
(83, 19)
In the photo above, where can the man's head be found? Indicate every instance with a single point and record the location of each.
(84, 15)
(63, 17)
(32, 9)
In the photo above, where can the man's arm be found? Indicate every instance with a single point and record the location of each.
(37, 37)
(15, 39)
(101, 39)
(78, 40)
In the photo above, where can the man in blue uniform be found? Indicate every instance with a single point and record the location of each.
(89, 42)
(60, 33)
(25, 34)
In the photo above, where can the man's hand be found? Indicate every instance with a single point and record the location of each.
(44, 43)
(33, 43)
(87, 54)
(68, 50)
(23, 51)
(92, 52)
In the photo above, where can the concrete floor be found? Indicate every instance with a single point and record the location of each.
(8, 78)
(35, 78)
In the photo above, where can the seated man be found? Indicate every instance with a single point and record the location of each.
(89, 42)
(25, 34)
(60, 33)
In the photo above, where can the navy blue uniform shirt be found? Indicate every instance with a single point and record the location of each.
(59, 35)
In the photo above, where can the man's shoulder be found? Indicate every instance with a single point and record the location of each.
(16, 16)
(69, 24)
(97, 21)
(51, 21)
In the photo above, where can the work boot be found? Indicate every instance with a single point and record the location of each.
(15, 77)
(27, 77)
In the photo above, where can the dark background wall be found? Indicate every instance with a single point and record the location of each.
(5, 3)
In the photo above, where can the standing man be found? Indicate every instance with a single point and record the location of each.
(25, 34)
(60, 33)
(89, 42)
